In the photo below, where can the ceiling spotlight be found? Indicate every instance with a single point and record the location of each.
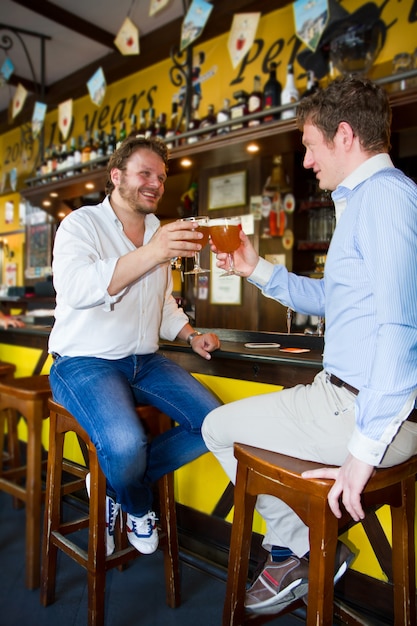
(89, 185)
(46, 203)
(185, 162)
(53, 194)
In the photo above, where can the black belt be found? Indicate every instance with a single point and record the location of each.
(338, 382)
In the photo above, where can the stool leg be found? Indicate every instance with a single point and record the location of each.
(244, 505)
(11, 417)
(33, 497)
(323, 542)
(404, 556)
(96, 569)
(52, 512)
(171, 551)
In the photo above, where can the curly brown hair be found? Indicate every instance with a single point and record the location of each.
(361, 103)
(131, 144)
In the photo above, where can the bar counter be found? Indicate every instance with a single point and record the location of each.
(233, 360)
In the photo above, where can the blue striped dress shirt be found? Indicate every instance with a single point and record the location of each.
(368, 296)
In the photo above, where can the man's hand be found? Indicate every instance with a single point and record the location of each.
(204, 344)
(175, 239)
(7, 321)
(245, 258)
(350, 481)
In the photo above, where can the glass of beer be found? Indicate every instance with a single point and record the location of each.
(201, 222)
(224, 233)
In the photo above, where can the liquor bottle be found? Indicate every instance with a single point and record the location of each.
(78, 151)
(290, 94)
(111, 141)
(142, 122)
(272, 200)
(122, 134)
(272, 94)
(62, 157)
(173, 129)
(94, 143)
(194, 122)
(223, 116)
(208, 121)
(255, 101)
(133, 127)
(161, 126)
(102, 145)
(151, 129)
(312, 85)
(71, 157)
(239, 109)
(86, 151)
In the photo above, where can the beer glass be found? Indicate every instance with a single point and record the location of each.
(201, 227)
(224, 233)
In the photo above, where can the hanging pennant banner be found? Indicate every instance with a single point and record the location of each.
(194, 22)
(127, 40)
(310, 20)
(6, 71)
(38, 118)
(242, 35)
(18, 100)
(97, 87)
(65, 117)
(157, 5)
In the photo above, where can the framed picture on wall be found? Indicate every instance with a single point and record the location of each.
(227, 191)
(38, 250)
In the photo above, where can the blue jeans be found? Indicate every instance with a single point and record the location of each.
(102, 394)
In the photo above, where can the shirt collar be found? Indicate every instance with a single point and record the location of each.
(365, 170)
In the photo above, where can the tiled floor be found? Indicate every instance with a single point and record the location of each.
(134, 597)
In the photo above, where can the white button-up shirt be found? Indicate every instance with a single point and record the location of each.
(90, 322)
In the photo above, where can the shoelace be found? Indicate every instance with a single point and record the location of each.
(113, 511)
(145, 525)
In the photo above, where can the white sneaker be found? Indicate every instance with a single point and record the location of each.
(142, 532)
(112, 511)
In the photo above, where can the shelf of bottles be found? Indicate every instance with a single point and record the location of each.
(263, 113)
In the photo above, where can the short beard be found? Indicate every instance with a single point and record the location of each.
(129, 195)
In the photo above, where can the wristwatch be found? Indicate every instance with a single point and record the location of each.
(191, 336)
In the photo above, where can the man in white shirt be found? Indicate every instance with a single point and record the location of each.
(113, 282)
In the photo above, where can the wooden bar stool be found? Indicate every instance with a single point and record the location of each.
(263, 472)
(11, 455)
(27, 397)
(94, 560)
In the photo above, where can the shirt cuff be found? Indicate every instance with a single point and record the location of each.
(365, 449)
(262, 273)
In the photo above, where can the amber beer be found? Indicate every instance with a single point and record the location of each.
(224, 233)
(205, 231)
